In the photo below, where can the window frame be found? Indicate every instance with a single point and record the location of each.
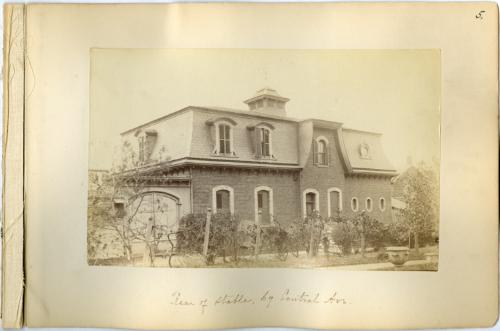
(225, 139)
(326, 153)
(352, 204)
(215, 126)
(256, 203)
(214, 197)
(368, 201)
(316, 202)
(340, 200)
(263, 143)
(258, 132)
(142, 148)
(382, 208)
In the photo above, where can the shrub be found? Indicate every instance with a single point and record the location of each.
(191, 234)
(345, 235)
(277, 240)
(224, 239)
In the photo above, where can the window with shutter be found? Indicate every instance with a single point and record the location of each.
(142, 149)
(257, 144)
(315, 152)
(265, 142)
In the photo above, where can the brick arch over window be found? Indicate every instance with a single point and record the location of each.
(270, 201)
(230, 191)
(304, 198)
(331, 191)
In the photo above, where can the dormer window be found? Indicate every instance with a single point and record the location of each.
(321, 152)
(221, 133)
(265, 142)
(224, 139)
(142, 149)
(146, 141)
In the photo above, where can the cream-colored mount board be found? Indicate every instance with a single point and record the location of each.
(13, 165)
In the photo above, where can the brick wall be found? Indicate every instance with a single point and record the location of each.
(363, 187)
(288, 188)
(284, 184)
(324, 178)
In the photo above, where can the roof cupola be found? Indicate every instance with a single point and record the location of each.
(268, 101)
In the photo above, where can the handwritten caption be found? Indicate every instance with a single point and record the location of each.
(266, 299)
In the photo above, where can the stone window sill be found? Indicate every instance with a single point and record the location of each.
(231, 156)
(266, 158)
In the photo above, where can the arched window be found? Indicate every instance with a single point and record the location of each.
(354, 204)
(382, 204)
(321, 155)
(310, 203)
(368, 204)
(223, 199)
(334, 201)
(264, 209)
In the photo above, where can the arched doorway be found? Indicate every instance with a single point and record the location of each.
(153, 216)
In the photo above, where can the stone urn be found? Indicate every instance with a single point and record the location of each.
(398, 255)
(431, 257)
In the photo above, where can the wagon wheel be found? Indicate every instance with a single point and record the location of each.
(172, 249)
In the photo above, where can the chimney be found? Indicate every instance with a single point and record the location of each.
(268, 101)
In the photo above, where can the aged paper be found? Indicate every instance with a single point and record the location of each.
(63, 290)
(13, 164)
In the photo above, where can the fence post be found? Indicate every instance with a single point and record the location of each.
(258, 237)
(207, 232)
(312, 225)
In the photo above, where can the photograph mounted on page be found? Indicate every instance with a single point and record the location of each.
(243, 158)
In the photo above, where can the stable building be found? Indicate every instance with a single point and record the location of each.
(258, 163)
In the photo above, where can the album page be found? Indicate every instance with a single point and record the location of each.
(231, 165)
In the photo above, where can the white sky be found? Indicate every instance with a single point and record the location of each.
(395, 92)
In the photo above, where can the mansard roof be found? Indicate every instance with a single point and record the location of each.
(361, 151)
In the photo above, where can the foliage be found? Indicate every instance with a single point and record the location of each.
(398, 232)
(125, 180)
(421, 195)
(191, 233)
(277, 240)
(298, 235)
(225, 236)
(344, 234)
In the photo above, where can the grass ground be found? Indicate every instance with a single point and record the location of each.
(272, 261)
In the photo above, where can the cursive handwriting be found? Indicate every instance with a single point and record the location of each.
(267, 299)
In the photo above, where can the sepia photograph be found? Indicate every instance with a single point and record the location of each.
(264, 158)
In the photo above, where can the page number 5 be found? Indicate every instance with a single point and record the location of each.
(480, 15)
